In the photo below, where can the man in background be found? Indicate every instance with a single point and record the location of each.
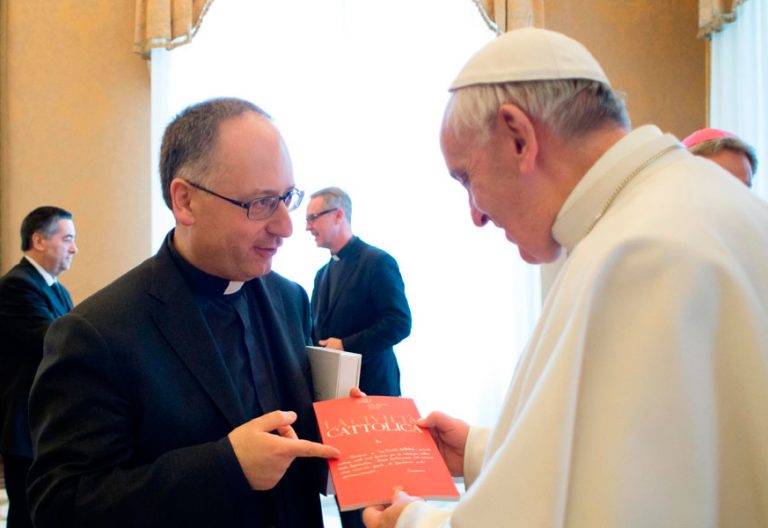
(640, 399)
(725, 149)
(358, 300)
(31, 297)
(180, 394)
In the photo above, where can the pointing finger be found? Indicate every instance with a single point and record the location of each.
(305, 448)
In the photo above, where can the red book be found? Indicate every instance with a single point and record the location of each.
(381, 448)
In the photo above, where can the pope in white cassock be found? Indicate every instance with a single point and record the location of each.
(642, 397)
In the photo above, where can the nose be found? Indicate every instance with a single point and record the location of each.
(478, 217)
(73, 248)
(280, 222)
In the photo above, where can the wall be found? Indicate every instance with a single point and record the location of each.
(649, 50)
(75, 120)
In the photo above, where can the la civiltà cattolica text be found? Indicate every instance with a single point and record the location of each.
(372, 424)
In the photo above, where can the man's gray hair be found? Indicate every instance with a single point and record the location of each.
(713, 146)
(569, 107)
(335, 197)
(190, 138)
(43, 220)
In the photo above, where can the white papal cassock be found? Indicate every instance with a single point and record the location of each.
(642, 397)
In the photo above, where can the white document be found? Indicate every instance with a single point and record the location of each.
(334, 372)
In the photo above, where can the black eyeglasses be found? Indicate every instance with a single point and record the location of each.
(263, 207)
(312, 217)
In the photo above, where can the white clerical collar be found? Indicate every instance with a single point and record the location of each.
(594, 190)
(47, 277)
(233, 287)
(335, 258)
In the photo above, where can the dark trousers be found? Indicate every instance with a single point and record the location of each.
(16, 469)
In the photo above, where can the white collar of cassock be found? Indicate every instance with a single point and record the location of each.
(593, 192)
(233, 287)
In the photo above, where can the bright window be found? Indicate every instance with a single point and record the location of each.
(739, 85)
(358, 90)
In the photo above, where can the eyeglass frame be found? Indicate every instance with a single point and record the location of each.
(312, 217)
(247, 205)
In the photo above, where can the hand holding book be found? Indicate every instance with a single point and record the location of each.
(450, 436)
(383, 515)
(381, 448)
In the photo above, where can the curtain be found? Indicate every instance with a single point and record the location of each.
(505, 15)
(739, 84)
(167, 23)
(714, 14)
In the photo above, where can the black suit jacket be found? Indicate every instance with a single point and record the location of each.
(132, 405)
(368, 312)
(27, 308)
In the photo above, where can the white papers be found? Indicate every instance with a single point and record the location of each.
(334, 372)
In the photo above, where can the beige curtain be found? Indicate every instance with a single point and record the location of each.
(505, 15)
(714, 14)
(167, 23)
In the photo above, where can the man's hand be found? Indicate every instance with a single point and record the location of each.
(450, 436)
(265, 457)
(387, 516)
(332, 342)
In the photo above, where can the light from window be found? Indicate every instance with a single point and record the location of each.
(358, 90)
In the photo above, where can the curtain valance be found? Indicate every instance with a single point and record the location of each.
(505, 15)
(714, 14)
(167, 23)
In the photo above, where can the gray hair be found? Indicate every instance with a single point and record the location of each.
(189, 140)
(713, 146)
(335, 197)
(569, 107)
(43, 220)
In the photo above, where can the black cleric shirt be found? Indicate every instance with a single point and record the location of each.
(227, 309)
(334, 267)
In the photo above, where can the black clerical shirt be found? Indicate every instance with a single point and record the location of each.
(238, 334)
(334, 268)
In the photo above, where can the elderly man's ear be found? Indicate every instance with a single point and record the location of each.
(518, 128)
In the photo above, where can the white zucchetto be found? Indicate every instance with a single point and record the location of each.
(530, 54)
